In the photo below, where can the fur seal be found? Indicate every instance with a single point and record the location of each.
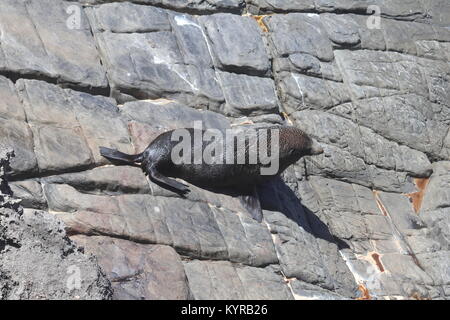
(157, 162)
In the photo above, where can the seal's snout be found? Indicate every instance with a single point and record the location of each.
(316, 149)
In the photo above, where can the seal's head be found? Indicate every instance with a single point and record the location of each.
(315, 148)
(294, 143)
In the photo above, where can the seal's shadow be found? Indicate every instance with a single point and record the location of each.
(277, 196)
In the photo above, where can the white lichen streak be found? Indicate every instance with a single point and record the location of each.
(161, 60)
(159, 101)
(299, 89)
(399, 241)
(182, 21)
(371, 277)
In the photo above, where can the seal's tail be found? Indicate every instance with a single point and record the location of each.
(117, 155)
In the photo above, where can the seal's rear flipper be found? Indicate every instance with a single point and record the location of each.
(117, 155)
(252, 204)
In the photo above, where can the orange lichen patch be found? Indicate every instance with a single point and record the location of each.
(421, 183)
(288, 280)
(376, 257)
(373, 258)
(242, 123)
(416, 198)
(260, 21)
(417, 296)
(379, 203)
(286, 117)
(364, 293)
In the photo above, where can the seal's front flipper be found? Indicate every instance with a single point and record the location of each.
(252, 204)
(178, 186)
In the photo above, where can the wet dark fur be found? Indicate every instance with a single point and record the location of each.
(156, 162)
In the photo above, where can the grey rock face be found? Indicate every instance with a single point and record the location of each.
(371, 213)
(38, 260)
(228, 282)
(224, 30)
(144, 271)
(33, 48)
(190, 6)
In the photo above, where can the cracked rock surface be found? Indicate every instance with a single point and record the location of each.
(368, 218)
(37, 259)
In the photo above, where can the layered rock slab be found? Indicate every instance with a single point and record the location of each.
(38, 260)
(47, 43)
